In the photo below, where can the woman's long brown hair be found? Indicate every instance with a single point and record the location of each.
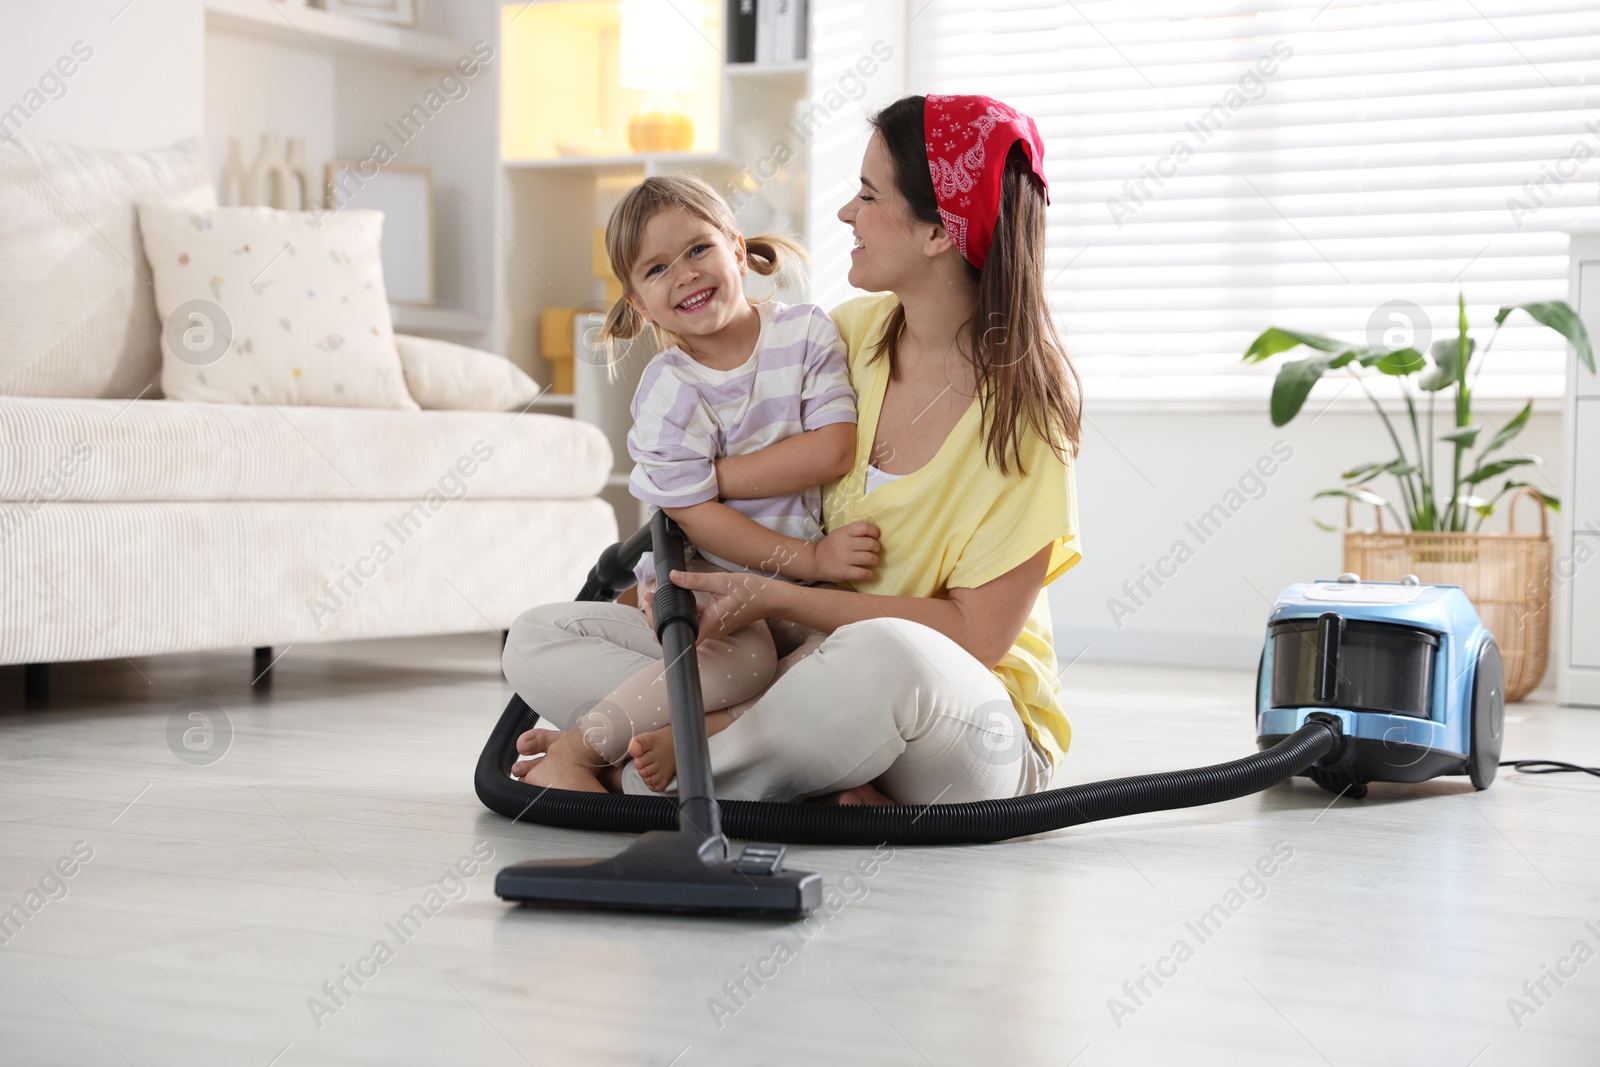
(1026, 377)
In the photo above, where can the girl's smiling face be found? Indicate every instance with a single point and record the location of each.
(686, 278)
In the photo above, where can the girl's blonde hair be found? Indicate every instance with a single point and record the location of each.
(767, 254)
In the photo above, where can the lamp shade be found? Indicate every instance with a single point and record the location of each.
(661, 42)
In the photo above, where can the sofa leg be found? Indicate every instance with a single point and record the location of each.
(263, 663)
(36, 683)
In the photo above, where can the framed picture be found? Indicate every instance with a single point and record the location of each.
(405, 196)
(394, 12)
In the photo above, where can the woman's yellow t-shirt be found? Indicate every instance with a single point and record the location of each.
(957, 523)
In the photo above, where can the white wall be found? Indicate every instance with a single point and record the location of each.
(138, 88)
(1143, 475)
(858, 51)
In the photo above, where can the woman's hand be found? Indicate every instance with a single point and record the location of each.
(737, 600)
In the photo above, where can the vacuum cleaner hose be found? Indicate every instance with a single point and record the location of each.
(929, 824)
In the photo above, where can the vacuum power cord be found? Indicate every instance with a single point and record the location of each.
(1547, 766)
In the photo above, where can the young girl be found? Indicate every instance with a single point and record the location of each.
(764, 382)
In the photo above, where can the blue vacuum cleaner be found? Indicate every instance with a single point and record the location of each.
(1408, 670)
(1359, 682)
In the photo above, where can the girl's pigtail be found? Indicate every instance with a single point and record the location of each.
(623, 323)
(769, 254)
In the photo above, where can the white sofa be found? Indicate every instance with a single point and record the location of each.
(152, 526)
(136, 526)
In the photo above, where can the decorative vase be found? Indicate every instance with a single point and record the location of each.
(271, 182)
(235, 179)
(305, 179)
(660, 131)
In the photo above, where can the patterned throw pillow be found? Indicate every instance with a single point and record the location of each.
(265, 306)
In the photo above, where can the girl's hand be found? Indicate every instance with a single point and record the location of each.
(737, 600)
(647, 601)
(848, 554)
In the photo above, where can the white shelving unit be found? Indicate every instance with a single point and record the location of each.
(337, 34)
(343, 84)
(812, 112)
(553, 402)
(437, 321)
(645, 161)
(797, 69)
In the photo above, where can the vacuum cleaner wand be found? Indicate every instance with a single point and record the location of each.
(677, 625)
(686, 869)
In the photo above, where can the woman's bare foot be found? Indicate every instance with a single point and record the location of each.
(654, 758)
(535, 741)
(861, 796)
(569, 745)
(533, 744)
(557, 771)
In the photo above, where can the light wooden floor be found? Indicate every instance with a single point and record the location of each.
(220, 898)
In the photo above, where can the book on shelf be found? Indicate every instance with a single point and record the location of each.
(741, 31)
(780, 30)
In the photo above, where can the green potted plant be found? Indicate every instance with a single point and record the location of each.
(1440, 539)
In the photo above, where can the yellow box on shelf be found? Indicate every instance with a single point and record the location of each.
(578, 75)
(555, 345)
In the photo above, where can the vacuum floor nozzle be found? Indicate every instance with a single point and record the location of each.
(668, 870)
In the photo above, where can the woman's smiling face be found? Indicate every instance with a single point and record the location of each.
(888, 247)
(686, 278)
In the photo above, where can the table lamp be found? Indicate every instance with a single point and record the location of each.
(658, 39)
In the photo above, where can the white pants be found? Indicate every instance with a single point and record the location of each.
(885, 700)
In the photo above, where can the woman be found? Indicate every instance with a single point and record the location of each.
(936, 677)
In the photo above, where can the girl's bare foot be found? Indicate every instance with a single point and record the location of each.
(861, 795)
(654, 758)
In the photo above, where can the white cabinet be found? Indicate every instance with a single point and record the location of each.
(1583, 490)
(1583, 518)
(1587, 271)
(1577, 551)
(1585, 616)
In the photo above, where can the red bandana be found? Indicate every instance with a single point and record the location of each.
(968, 139)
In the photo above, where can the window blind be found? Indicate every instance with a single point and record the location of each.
(1215, 169)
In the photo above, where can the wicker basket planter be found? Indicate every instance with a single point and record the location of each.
(1505, 575)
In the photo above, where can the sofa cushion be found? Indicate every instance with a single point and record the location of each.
(77, 309)
(449, 377)
(169, 450)
(96, 581)
(261, 306)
